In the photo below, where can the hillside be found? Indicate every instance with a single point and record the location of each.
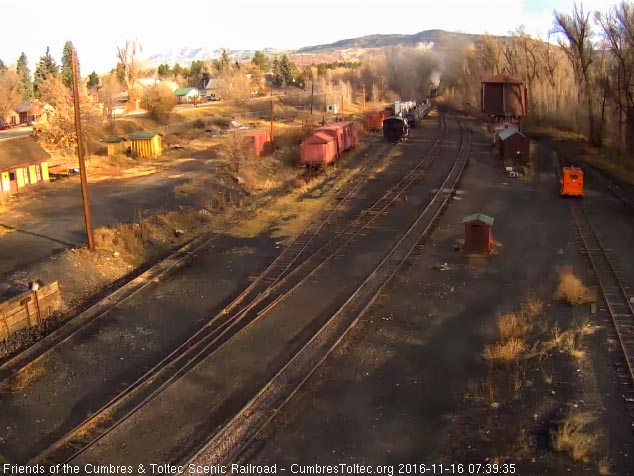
(437, 39)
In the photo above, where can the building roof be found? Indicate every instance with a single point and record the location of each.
(26, 107)
(511, 131)
(479, 217)
(142, 135)
(113, 140)
(318, 138)
(503, 78)
(21, 151)
(184, 91)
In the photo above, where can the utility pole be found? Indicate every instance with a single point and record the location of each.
(363, 98)
(80, 153)
(312, 95)
(271, 114)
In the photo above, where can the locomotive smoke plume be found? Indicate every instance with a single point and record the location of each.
(434, 77)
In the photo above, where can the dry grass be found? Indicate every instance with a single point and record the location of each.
(483, 392)
(513, 325)
(25, 377)
(571, 289)
(505, 352)
(574, 436)
(604, 466)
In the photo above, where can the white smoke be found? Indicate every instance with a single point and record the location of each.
(434, 77)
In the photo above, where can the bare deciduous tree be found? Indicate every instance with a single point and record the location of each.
(9, 92)
(578, 46)
(128, 66)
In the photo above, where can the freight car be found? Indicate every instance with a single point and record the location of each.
(374, 120)
(327, 143)
(395, 129)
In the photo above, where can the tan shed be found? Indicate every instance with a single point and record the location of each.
(115, 145)
(146, 144)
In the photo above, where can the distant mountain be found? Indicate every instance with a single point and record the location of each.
(439, 38)
(185, 55)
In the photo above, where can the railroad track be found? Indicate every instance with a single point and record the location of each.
(274, 285)
(227, 443)
(615, 293)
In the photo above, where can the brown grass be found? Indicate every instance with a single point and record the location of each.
(505, 352)
(513, 325)
(481, 392)
(574, 436)
(571, 289)
(604, 466)
(25, 377)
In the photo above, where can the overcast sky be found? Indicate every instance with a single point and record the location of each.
(96, 28)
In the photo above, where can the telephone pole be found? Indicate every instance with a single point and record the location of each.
(80, 153)
(271, 114)
(312, 95)
(363, 98)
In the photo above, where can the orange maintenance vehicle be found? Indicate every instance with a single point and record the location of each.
(571, 182)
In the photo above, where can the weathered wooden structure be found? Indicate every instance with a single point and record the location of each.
(23, 164)
(478, 236)
(29, 309)
(504, 100)
(116, 145)
(146, 144)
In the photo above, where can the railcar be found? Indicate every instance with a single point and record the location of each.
(395, 129)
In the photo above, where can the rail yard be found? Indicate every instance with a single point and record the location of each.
(423, 287)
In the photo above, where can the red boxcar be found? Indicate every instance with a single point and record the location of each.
(259, 142)
(318, 148)
(342, 136)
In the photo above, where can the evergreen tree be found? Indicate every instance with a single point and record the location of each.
(3, 67)
(286, 69)
(44, 68)
(93, 80)
(177, 70)
(26, 85)
(164, 70)
(260, 60)
(67, 65)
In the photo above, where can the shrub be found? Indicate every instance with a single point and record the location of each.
(574, 436)
(571, 288)
(158, 101)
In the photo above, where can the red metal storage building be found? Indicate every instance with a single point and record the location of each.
(478, 237)
(514, 147)
(319, 148)
(259, 142)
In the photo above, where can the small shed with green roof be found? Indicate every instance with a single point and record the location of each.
(478, 233)
(146, 144)
(116, 145)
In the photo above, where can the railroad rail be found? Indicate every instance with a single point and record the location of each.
(226, 444)
(610, 281)
(275, 284)
(615, 293)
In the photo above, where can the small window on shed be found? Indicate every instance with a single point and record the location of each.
(38, 172)
(574, 176)
(25, 174)
(12, 176)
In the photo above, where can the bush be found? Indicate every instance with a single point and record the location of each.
(158, 101)
(571, 288)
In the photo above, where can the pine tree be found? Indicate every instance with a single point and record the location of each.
(67, 65)
(93, 80)
(44, 68)
(26, 86)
